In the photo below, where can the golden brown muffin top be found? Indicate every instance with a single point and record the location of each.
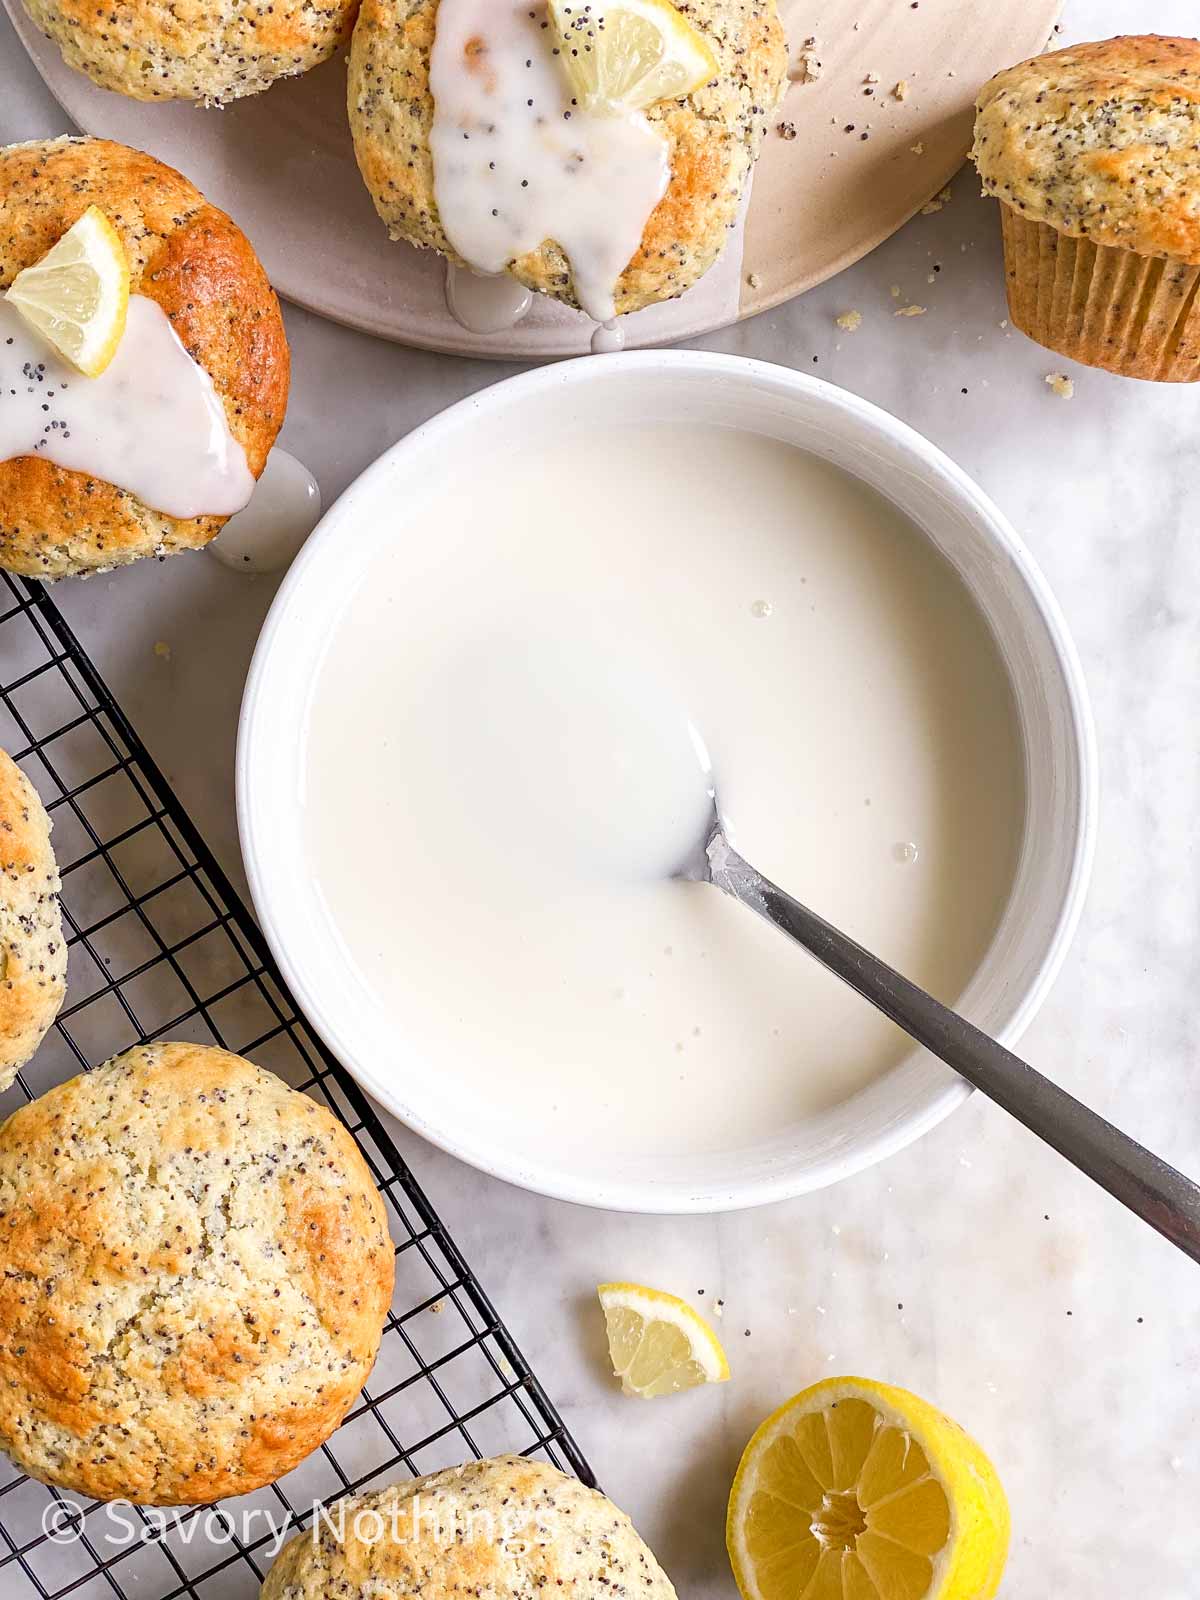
(194, 1274)
(1102, 141)
(33, 952)
(203, 272)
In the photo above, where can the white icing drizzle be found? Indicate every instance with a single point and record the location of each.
(151, 423)
(517, 161)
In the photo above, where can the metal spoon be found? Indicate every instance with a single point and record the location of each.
(1158, 1193)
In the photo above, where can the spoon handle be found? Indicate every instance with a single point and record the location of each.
(1157, 1193)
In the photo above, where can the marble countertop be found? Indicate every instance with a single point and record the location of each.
(974, 1267)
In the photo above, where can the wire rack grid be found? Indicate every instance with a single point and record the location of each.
(161, 946)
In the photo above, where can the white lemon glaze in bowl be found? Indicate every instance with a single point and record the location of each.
(1005, 585)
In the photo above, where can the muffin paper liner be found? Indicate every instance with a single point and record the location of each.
(1107, 307)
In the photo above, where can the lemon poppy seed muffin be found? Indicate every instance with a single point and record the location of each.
(33, 952)
(506, 1529)
(713, 137)
(194, 1274)
(202, 271)
(214, 52)
(1094, 154)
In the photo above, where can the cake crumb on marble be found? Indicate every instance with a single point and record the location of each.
(807, 67)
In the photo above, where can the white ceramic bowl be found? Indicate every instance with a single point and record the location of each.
(956, 516)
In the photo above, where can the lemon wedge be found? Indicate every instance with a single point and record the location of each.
(854, 1490)
(77, 295)
(626, 54)
(657, 1342)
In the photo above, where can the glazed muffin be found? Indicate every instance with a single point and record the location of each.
(194, 1274)
(1094, 154)
(507, 1528)
(713, 136)
(33, 952)
(202, 271)
(154, 50)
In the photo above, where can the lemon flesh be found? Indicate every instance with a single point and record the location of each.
(855, 1490)
(77, 295)
(625, 55)
(657, 1342)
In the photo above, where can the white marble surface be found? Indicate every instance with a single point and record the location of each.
(1062, 1332)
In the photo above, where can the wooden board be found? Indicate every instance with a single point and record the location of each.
(282, 164)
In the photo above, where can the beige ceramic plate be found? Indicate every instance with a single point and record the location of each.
(282, 165)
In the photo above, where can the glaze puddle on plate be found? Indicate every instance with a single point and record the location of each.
(485, 302)
(267, 534)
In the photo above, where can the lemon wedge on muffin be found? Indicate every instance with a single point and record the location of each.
(629, 54)
(856, 1490)
(77, 295)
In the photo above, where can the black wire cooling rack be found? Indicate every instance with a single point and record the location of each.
(161, 945)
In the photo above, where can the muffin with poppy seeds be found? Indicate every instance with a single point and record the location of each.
(712, 136)
(504, 1529)
(33, 952)
(201, 270)
(1094, 154)
(194, 1273)
(218, 51)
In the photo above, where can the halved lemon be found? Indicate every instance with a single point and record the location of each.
(855, 1490)
(657, 1342)
(77, 295)
(628, 54)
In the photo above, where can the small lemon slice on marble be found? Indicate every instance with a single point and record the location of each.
(658, 1344)
(77, 295)
(855, 1490)
(628, 54)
